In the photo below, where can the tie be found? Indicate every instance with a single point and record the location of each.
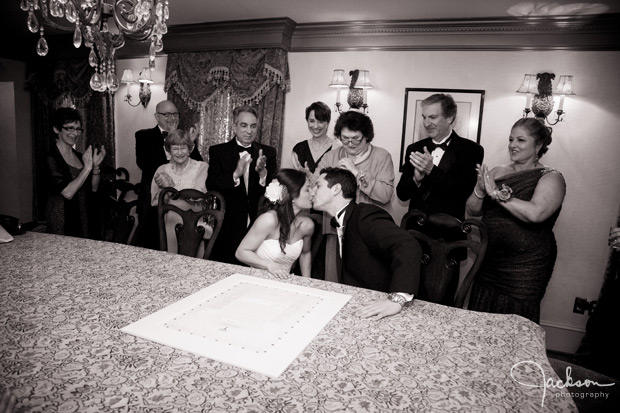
(432, 145)
(244, 149)
(334, 223)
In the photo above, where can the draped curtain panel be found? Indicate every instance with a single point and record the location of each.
(66, 83)
(207, 86)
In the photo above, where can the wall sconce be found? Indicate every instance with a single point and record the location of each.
(360, 82)
(145, 88)
(540, 95)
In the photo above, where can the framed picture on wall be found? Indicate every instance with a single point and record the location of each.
(468, 116)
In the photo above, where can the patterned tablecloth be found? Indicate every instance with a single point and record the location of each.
(63, 301)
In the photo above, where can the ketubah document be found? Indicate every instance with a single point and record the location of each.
(252, 323)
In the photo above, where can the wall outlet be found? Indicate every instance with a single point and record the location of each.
(582, 305)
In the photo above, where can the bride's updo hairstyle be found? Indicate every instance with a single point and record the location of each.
(279, 196)
(536, 129)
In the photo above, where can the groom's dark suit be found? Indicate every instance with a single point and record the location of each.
(376, 253)
(449, 184)
(223, 159)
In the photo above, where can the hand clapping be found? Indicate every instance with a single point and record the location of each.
(422, 162)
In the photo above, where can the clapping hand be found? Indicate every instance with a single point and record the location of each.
(480, 185)
(98, 156)
(489, 184)
(87, 158)
(306, 170)
(261, 164)
(163, 180)
(347, 163)
(243, 161)
(193, 132)
(422, 162)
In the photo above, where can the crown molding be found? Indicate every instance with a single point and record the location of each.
(511, 33)
(598, 33)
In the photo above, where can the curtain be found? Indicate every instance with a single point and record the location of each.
(207, 86)
(66, 83)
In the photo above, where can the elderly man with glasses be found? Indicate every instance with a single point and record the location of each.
(150, 155)
(373, 170)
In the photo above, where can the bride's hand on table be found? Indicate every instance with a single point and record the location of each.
(278, 271)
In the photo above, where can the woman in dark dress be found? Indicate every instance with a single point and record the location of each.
(307, 154)
(519, 204)
(72, 177)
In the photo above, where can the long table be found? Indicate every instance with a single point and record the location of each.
(64, 300)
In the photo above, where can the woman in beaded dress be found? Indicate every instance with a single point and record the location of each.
(519, 203)
(181, 172)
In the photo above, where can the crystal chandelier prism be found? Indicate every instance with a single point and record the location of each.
(102, 26)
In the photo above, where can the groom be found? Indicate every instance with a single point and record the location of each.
(373, 252)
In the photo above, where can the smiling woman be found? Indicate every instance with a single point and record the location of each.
(72, 177)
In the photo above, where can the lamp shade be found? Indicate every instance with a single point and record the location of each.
(363, 80)
(565, 86)
(145, 76)
(127, 76)
(338, 79)
(529, 85)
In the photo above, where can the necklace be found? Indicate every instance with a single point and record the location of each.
(320, 145)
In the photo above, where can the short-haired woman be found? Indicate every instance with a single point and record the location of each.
(181, 172)
(72, 177)
(308, 153)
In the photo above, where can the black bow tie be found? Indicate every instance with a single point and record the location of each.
(244, 149)
(334, 222)
(432, 145)
(164, 133)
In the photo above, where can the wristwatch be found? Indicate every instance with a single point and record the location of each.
(397, 298)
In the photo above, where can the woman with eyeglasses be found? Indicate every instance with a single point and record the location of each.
(371, 165)
(73, 178)
(182, 172)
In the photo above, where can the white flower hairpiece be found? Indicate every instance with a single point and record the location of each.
(275, 192)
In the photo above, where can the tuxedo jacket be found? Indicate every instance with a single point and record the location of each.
(240, 204)
(151, 154)
(376, 253)
(449, 184)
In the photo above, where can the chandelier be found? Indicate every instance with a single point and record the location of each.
(89, 21)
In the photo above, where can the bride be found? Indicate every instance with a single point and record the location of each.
(280, 234)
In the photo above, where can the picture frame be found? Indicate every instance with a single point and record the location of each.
(470, 103)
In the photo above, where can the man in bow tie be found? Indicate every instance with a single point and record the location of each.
(239, 169)
(373, 252)
(150, 155)
(439, 172)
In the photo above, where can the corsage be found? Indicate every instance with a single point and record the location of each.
(275, 192)
(502, 195)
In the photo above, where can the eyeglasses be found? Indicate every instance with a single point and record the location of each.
(71, 129)
(350, 140)
(171, 115)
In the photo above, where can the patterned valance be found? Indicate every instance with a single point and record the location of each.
(247, 74)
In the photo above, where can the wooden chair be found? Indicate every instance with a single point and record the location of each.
(189, 234)
(122, 208)
(441, 258)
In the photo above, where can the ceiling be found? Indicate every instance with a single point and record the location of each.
(13, 19)
(312, 11)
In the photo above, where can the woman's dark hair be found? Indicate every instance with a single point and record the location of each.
(62, 116)
(322, 112)
(178, 137)
(355, 121)
(293, 180)
(537, 130)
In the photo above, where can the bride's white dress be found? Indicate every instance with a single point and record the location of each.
(270, 250)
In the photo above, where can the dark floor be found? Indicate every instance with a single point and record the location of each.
(594, 398)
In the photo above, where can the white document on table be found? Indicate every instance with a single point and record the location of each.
(252, 323)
